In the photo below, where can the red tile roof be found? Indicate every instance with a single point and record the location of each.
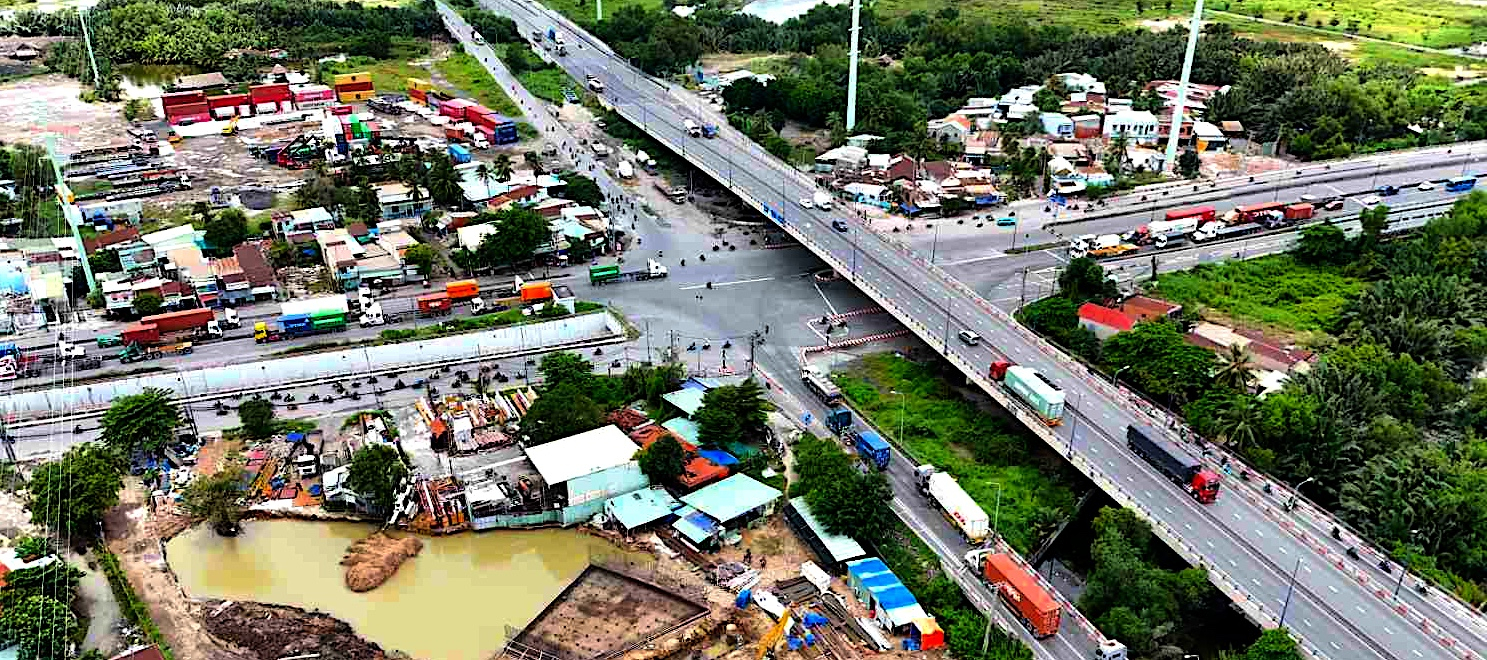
(146, 653)
(251, 260)
(1110, 318)
(1142, 308)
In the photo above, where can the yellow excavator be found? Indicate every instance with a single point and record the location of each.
(775, 634)
(231, 128)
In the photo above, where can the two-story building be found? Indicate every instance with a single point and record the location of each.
(1136, 126)
(396, 200)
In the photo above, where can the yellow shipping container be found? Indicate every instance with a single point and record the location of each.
(420, 84)
(347, 97)
(347, 78)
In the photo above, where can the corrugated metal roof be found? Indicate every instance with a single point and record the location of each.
(731, 497)
(583, 454)
(642, 506)
(685, 429)
(687, 399)
(694, 525)
(839, 546)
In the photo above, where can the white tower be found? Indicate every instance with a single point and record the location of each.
(1182, 86)
(852, 64)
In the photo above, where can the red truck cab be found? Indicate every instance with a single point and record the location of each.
(1205, 486)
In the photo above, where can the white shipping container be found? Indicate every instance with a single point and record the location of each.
(268, 106)
(245, 109)
(967, 515)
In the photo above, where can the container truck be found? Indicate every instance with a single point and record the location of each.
(821, 386)
(459, 153)
(302, 318)
(1034, 389)
(1107, 245)
(1202, 214)
(1020, 590)
(230, 319)
(1219, 231)
(434, 304)
(872, 448)
(1148, 233)
(626, 170)
(608, 273)
(1174, 462)
(136, 352)
(1461, 183)
(692, 128)
(372, 315)
(958, 507)
(190, 323)
(839, 419)
(462, 290)
(676, 194)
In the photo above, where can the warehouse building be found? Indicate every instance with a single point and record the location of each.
(834, 550)
(583, 471)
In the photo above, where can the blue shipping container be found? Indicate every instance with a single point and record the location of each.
(459, 153)
(872, 448)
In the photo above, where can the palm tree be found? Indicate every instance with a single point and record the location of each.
(484, 173)
(1239, 422)
(1236, 369)
(502, 167)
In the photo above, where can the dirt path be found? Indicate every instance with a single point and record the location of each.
(132, 536)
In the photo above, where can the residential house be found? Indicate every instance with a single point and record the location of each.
(1087, 127)
(1142, 308)
(113, 240)
(1081, 82)
(262, 282)
(1208, 137)
(188, 266)
(397, 201)
(980, 146)
(868, 193)
(586, 470)
(1268, 354)
(1021, 96)
(233, 282)
(1104, 321)
(1075, 153)
(303, 223)
(1137, 126)
(1057, 125)
(1149, 159)
(586, 215)
(863, 140)
(901, 168)
(469, 237)
(552, 207)
(642, 509)
(842, 160)
(728, 505)
(177, 295)
(581, 239)
(954, 129)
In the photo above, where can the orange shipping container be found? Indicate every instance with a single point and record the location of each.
(1037, 610)
(462, 289)
(536, 291)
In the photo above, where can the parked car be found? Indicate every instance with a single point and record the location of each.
(839, 225)
(1334, 204)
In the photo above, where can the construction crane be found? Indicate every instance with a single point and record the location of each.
(774, 635)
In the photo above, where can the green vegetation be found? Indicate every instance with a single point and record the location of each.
(1274, 292)
(376, 471)
(1131, 599)
(546, 84)
(942, 428)
(71, 494)
(732, 414)
(35, 201)
(469, 75)
(141, 422)
(519, 232)
(845, 499)
(582, 11)
(1432, 23)
(257, 418)
(216, 499)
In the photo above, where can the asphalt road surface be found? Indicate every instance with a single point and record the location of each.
(1335, 614)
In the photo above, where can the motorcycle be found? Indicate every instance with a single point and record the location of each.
(1352, 552)
(1385, 566)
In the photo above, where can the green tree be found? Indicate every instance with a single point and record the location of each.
(444, 182)
(257, 418)
(1084, 279)
(148, 304)
(1160, 362)
(663, 461)
(105, 261)
(581, 189)
(731, 413)
(56, 580)
(1188, 164)
(142, 422)
(856, 505)
(1236, 369)
(1239, 423)
(1323, 243)
(71, 494)
(566, 368)
(1048, 100)
(217, 499)
(376, 472)
(422, 256)
(1374, 221)
(560, 412)
(1273, 644)
(519, 232)
(501, 167)
(43, 627)
(226, 230)
(486, 176)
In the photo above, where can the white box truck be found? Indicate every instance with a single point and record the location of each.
(952, 500)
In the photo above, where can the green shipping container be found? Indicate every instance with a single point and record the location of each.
(1039, 393)
(599, 274)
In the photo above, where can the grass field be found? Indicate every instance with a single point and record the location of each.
(943, 428)
(388, 76)
(466, 73)
(582, 11)
(547, 84)
(1273, 292)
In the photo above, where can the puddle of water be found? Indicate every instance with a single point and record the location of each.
(451, 602)
(148, 81)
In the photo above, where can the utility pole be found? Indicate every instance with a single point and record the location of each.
(648, 354)
(852, 65)
(97, 80)
(69, 207)
(1170, 163)
(1289, 587)
(1022, 297)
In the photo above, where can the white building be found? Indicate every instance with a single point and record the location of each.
(1138, 126)
(952, 130)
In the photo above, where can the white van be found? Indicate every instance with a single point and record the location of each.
(970, 338)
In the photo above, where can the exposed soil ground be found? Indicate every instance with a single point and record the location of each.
(35, 106)
(372, 560)
(270, 632)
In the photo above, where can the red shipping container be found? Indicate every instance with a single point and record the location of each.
(454, 111)
(195, 118)
(187, 109)
(182, 320)
(355, 87)
(340, 110)
(1023, 594)
(227, 100)
(270, 93)
(478, 109)
(182, 98)
(418, 95)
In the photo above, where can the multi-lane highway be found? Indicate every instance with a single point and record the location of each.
(1242, 540)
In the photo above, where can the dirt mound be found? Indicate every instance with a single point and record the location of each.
(372, 560)
(271, 632)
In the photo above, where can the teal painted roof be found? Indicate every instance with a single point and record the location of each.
(685, 428)
(642, 506)
(731, 497)
(687, 399)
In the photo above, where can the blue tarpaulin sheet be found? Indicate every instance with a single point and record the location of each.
(718, 456)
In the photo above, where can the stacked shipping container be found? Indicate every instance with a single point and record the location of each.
(271, 98)
(310, 97)
(230, 105)
(186, 106)
(354, 87)
(418, 90)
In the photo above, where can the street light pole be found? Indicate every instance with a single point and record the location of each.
(1404, 567)
(900, 413)
(1289, 588)
(997, 516)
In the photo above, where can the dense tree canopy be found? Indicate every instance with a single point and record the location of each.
(376, 471)
(142, 422)
(71, 494)
(732, 413)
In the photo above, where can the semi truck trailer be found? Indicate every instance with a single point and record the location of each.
(1174, 462)
(610, 273)
(821, 386)
(953, 502)
(873, 449)
(1034, 607)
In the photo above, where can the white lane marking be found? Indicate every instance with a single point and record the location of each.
(1360, 609)
(1307, 622)
(1284, 551)
(718, 284)
(1332, 588)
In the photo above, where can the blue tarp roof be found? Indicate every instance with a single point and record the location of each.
(694, 525)
(894, 597)
(865, 567)
(879, 580)
(718, 456)
(731, 497)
